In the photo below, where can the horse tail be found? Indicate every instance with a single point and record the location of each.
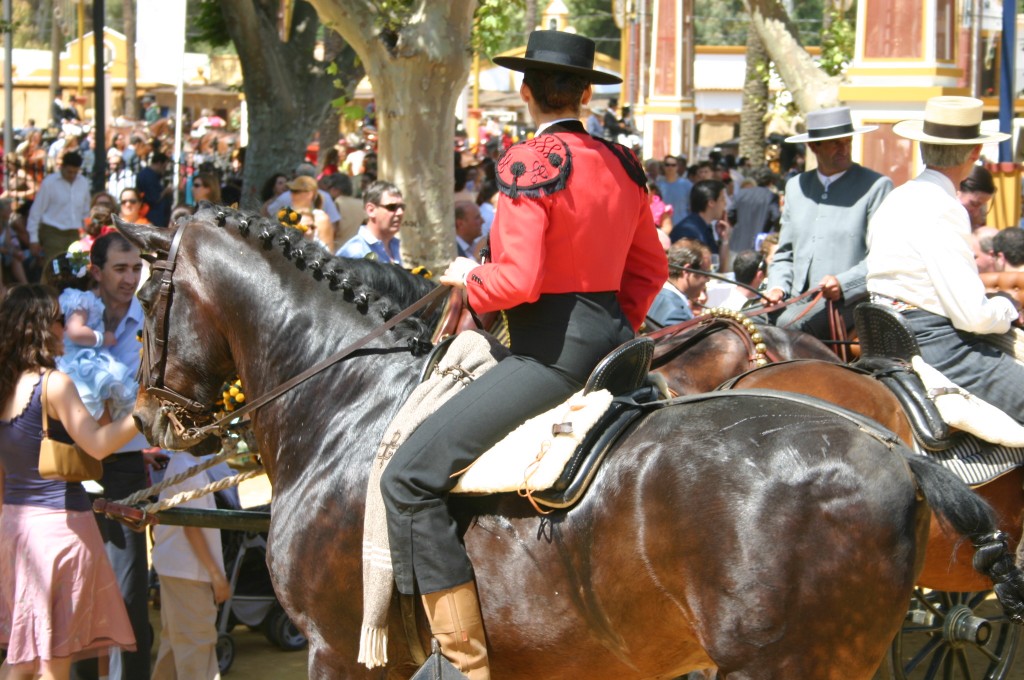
(960, 509)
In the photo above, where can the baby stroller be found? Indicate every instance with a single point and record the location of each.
(252, 601)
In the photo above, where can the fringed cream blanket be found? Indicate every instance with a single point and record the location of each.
(531, 457)
(964, 411)
(470, 355)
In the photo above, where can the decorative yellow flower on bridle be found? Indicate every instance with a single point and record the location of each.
(232, 395)
(290, 218)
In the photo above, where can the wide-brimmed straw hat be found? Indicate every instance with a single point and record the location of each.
(559, 51)
(949, 120)
(831, 123)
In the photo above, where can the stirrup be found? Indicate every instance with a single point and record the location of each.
(437, 667)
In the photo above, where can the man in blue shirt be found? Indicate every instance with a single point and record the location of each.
(150, 183)
(116, 265)
(707, 222)
(378, 238)
(675, 188)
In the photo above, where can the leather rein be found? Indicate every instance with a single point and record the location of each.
(188, 415)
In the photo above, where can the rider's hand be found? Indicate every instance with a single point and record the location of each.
(774, 295)
(830, 288)
(455, 274)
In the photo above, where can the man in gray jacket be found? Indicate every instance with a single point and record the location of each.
(824, 226)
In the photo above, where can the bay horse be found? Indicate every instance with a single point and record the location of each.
(758, 533)
(707, 355)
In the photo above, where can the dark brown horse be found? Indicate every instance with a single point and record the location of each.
(754, 532)
(948, 564)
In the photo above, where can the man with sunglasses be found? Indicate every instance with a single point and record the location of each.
(675, 188)
(378, 238)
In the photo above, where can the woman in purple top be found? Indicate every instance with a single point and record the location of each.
(59, 601)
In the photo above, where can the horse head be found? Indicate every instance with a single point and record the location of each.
(186, 358)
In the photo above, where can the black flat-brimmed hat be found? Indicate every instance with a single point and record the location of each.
(559, 51)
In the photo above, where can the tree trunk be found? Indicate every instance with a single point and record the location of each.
(131, 100)
(417, 70)
(56, 45)
(287, 91)
(530, 18)
(812, 89)
(755, 101)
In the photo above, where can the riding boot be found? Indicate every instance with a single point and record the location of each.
(456, 623)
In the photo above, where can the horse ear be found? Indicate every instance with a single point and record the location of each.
(148, 239)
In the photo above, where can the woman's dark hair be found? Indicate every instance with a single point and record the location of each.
(556, 90)
(267, 192)
(703, 193)
(980, 179)
(27, 340)
(486, 193)
(120, 198)
(65, 272)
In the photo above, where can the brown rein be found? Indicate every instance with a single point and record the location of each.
(175, 403)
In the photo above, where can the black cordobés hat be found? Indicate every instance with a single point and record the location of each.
(559, 51)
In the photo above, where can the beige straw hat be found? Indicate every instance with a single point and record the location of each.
(949, 120)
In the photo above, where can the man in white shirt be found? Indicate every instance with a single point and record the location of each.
(60, 209)
(920, 259)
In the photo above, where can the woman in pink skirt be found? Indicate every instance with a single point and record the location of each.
(59, 601)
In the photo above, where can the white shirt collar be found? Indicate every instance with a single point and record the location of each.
(937, 178)
(545, 126)
(826, 180)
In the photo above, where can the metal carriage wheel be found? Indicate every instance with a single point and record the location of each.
(953, 636)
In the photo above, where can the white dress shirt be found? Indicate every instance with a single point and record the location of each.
(59, 204)
(919, 252)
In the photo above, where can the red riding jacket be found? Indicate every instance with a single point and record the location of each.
(573, 217)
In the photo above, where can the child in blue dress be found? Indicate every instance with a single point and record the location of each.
(104, 383)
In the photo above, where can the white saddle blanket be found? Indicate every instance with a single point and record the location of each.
(531, 458)
(999, 446)
(964, 411)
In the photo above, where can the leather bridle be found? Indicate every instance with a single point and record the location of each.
(178, 408)
(192, 419)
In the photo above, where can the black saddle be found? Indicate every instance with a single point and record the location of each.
(887, 345)
(623, 373)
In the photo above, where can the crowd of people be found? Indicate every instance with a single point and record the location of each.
(649, 237)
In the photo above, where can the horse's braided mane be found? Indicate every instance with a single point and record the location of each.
(374, 288)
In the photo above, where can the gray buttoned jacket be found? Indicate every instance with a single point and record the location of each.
(824, 232)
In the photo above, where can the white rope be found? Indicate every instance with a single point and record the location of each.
(213, 487)
(230, 451)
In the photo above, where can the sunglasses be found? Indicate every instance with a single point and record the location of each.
(392, 207)
(671, 165)
(130, 201)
